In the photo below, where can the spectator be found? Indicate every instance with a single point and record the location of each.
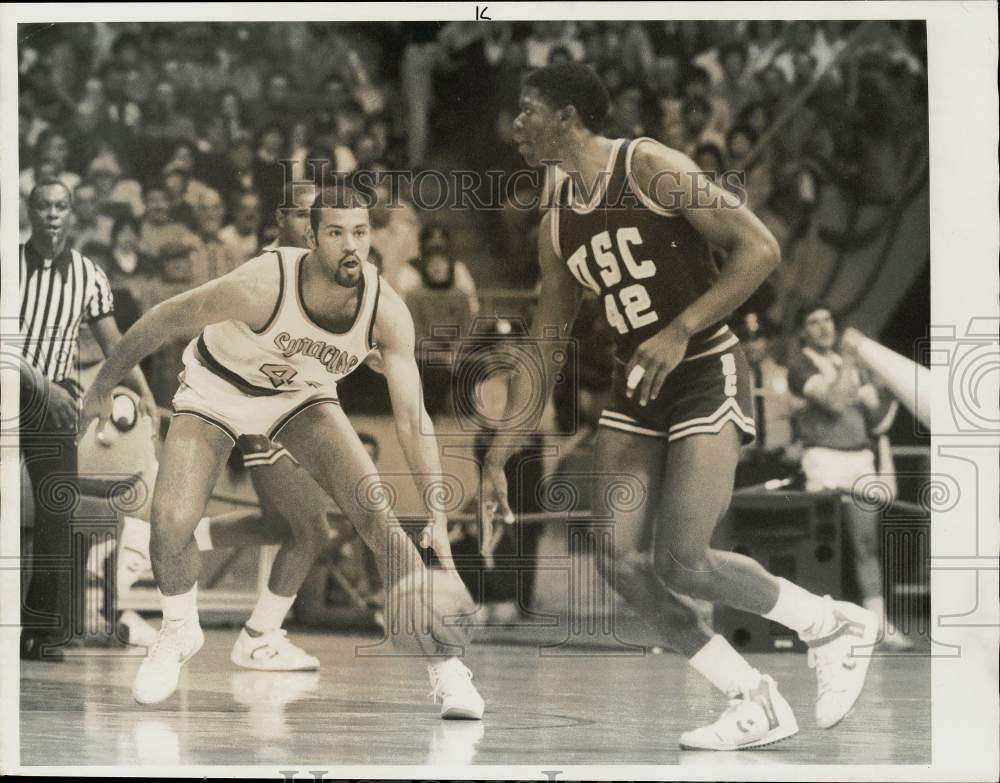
(740, 142)
(773, 452)
(177, 180)
(299, 142)
(843, 408)
(735, 90)
(241, 238)
(636, 49)
(774, 88)
(698, 87)
(800, 38)
(234, 117)
(548, 35)
(756, 116)
(53, 154)
(293, 225)
(268, 173)
(164, 121)
(212, 258)
(166, 242)
(126, 259)
(765, 40)
(90, 108)
(121, 117)
(697, 128)
(52, 271)
(278, 104)
(630, 119)
(709, 160)
(421, 51)
(664, 84)
(89, 225)
(184, 161)
(441, 316)
(115, 195)
(395, 233)
(435, 238)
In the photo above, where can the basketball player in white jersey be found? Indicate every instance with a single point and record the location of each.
(276, 334)
(295, 514)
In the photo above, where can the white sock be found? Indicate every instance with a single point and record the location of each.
(203, 534)
(725, 668)
(800, 610)
(182, 607)
(270, 611)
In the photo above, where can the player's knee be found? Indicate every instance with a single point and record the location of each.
(623, 566)
(169, 521)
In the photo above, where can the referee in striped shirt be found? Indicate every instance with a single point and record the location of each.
(60, 289)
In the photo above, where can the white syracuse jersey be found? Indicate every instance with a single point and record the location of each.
(290, 353)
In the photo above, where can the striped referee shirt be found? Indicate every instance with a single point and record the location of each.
(57, 294)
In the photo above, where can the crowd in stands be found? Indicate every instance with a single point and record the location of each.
(170, 135)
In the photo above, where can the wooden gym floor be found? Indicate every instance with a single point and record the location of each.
(580, 709)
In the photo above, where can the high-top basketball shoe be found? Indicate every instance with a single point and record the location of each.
(452, 685)
(160, 672)
(757, 717)
(841, 657)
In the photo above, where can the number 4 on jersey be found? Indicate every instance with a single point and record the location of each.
(279, 374)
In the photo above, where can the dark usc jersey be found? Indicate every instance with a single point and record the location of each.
(646, 263)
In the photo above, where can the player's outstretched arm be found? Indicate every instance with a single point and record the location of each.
(396, 339)
(245, 294)
(672, 181)
(558, 304)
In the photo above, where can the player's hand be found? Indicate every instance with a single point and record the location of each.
(492, 501)
(435, 536)
(61, 407)
(653, 361)
(96, 405)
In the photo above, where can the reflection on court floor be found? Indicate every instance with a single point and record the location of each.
(581, 709)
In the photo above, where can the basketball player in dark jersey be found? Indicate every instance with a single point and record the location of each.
(633, 222)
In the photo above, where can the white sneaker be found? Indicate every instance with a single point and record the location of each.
(451, 682)
(841, 660)
(271, 652)
(758, 717)
(158, 674)
(133, 554)
(140, 633)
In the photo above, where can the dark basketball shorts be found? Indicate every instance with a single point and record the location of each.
(699, 397)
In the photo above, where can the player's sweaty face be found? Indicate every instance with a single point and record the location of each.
(343, 240)
(535, 127)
